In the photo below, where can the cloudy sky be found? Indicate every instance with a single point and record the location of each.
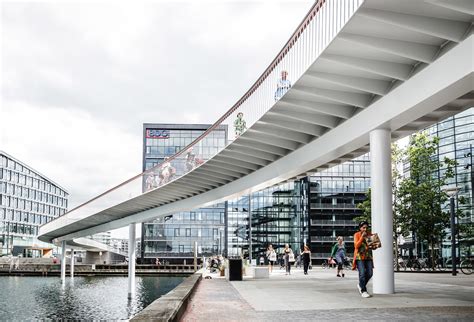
(78, 79)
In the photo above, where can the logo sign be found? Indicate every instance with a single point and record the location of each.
(157, 134)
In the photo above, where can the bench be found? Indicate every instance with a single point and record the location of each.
(261, 272)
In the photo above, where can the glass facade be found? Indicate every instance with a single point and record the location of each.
(334, 195)
(279, 216)
(173, 236)
(456, 135)
(27, 200)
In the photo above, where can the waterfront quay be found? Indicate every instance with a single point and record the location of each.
(46, 267)
(323, 296)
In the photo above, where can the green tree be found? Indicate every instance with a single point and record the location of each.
(421, 198)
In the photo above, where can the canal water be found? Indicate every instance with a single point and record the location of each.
(84, 298)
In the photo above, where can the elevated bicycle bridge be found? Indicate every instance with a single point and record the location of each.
(362, 73)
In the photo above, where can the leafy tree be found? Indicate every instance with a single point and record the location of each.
(366, 208)
(421, 198)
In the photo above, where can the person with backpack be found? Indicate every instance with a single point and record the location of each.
(338, 252)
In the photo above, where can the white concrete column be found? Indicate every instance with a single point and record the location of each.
(382, 216)
(72, 263)
(63, 261)
(131, 260)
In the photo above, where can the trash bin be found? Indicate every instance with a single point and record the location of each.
(235, 269)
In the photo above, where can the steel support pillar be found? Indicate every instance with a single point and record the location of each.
(72, 263)
(382, 216)
(131, 260)
(63, 261)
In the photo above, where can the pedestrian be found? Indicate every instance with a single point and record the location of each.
(298, 260)
(239, 125)
(283, 85)
(282, 261)
(338, 252)
(306, 259)
(363, 258)
(167, 172)
(272, 257)
(190, 160)
(289, 258)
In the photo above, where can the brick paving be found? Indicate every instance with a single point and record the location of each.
(418, 298)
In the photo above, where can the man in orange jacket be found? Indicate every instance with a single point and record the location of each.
(363, 258)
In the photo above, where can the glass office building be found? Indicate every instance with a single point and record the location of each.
(334, 195)
(456, 140)
(173, 237)
(28, 199)
(278, 216)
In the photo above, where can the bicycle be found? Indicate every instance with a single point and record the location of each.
(466, 266)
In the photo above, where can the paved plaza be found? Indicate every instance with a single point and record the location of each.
(321, 296)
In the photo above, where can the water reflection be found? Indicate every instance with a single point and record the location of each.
(26, 298)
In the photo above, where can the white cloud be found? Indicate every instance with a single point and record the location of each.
(84, 155)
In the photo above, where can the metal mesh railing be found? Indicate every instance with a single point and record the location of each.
(319, 27)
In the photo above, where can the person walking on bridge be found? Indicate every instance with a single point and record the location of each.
(283, 85)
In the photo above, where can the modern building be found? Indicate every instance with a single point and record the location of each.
(334, 196)
(310, 211)
(173, 237)
(456, 142)
(28, 199)
(278, 216)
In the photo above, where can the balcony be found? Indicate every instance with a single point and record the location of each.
(330, 239)
(336, 206)
(316, 222)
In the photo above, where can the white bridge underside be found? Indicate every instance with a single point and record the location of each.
(399, 65)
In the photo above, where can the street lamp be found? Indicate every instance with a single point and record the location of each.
(452, 192)
(467, 166)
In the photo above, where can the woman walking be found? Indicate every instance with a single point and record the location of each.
(289, 257)
(272, 257)
(306, 259)
(363, 258)
(339, 253)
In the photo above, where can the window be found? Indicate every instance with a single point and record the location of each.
(176, 232)
(188, 232)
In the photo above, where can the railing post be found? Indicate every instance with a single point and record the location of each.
(131, 260)
(195, 256)
(63, 262)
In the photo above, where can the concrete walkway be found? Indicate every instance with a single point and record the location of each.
(321, 296)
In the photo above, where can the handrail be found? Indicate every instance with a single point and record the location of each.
(319, 27)
(289, 44)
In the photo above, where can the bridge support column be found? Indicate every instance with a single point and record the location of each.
(382, 216)
(63, 261)
(131, 260)
(72, 263)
